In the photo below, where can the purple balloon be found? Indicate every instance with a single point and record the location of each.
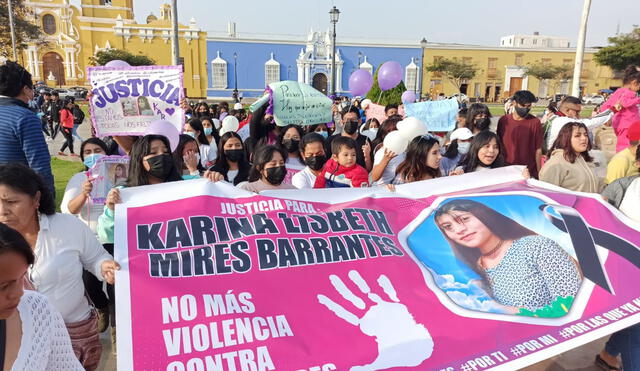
(162, 127)
(389, 75)
(408, 97)
(360, 82)
(117, 63)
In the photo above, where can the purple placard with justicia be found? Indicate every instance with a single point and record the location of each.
(125, 101)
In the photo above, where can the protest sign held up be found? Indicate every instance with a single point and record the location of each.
(125, 100)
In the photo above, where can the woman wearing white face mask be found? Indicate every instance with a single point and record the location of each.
(208, 152)
(459, 146)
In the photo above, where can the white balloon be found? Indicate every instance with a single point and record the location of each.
(411, 127)
(230, 123)
(396, 142)
(365, 103)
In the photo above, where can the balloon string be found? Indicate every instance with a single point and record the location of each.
(379, 96)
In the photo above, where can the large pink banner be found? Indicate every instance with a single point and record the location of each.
(223, 280)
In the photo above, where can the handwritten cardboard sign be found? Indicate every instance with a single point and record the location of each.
(125, 101)
(439, 115)
(299, 104)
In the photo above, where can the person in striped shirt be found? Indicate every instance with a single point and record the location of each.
(21, 137)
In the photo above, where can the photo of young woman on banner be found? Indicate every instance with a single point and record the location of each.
(516, 264)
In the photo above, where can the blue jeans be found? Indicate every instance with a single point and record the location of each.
(74, 133)
(626, 343)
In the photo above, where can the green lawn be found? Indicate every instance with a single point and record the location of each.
(497, 110)
(62, 172)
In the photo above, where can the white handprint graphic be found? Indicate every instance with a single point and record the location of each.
(401, 341)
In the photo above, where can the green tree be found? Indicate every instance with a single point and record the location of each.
(383, 98)
(106, 55)
(623, 51)
(541, 71)
(26, 30)
(454, 71)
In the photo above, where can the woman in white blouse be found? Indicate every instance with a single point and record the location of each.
(208, 151)
(62, 246)
(32, 333)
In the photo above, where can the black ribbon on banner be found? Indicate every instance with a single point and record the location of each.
(585, 238)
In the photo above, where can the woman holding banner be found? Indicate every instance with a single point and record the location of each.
(518, 267)
(268, 171)
(422, 160)
(62, 246)
(77, 201)
(232, 165)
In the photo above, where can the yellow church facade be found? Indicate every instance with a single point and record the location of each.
(500, 71)
(75, 34)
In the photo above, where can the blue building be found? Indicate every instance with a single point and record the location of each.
(250, 64)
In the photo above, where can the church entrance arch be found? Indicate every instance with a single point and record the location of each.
(319, 82)
(52, 64)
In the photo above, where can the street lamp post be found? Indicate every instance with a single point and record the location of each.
(423, 46)
(334, 14)
(359, 59)
(288, 72)
(235, 77)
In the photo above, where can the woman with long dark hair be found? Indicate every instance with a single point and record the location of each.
(570, 165)
(289, 143)
(36, 337)
(210, 130)
(422, 160)
(151, 163)
(63, 247)
(485, 152)
(66, 126)
(232, 165)
(478, 118)
(208, 152)
(518, 267)
(187, 157)
(268, 170)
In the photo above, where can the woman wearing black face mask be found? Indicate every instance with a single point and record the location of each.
(478, 118)
(289, 143)
(268, 170)
(151, 163)
(232, 165)
(312, 151)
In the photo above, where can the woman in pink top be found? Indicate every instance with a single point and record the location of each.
(628, 98)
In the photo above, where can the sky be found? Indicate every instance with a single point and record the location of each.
(462, 21)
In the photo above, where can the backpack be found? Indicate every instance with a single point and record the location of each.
(78, 115)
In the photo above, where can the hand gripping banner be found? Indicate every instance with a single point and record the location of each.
(475, 272)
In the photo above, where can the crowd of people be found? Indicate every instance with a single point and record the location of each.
(65, 259)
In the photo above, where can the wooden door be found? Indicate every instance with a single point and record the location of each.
(52, 62)
(515, 84)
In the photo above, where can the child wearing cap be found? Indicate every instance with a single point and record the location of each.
(455, 151)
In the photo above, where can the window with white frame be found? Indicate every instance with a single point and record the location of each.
(271, 71)
(411, 76)
(365, 65)
(219, 73)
